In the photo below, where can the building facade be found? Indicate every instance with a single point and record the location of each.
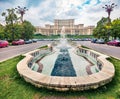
(70, 28)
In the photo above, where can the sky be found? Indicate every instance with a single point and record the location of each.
(41, 12)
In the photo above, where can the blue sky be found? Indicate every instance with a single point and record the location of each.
(43, 12)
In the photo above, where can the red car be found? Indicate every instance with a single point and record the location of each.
(3, 43)
(18, 42)
(114, 43)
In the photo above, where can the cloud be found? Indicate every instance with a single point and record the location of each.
(8, 4)
(42, 13)
(45, 11)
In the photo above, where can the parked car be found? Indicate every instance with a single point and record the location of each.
(100, 41)
(86, 39)
(28, 41)
(93, 40)
(34, 40)
(114, 43)
(82, 39)
(18, 42)
(3, 43)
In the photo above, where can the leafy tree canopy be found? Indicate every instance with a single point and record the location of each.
(29, 30)
(14, 29)
(105, 30)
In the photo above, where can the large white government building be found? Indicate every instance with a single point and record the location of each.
(70, 28)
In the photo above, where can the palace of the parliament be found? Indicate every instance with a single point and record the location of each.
(70, 28)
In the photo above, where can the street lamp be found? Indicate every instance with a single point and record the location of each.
(21, 11)
(109, 9)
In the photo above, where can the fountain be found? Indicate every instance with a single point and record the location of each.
(63, 64)
(65, 67)
(63, 41)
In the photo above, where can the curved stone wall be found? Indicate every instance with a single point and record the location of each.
(92, 81)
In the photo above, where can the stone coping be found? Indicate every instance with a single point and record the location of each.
(92, 81)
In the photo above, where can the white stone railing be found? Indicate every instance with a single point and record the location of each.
(91, 55)
(92, 81)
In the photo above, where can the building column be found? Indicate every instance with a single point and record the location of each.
(48, 33)
(71, 31)
(79, 32)
(56, 32)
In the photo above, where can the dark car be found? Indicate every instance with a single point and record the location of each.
(93, 40)
(114, 43)
(100, 41)
(3, 43)
(28, 41)
(18, 42)
(34, 40)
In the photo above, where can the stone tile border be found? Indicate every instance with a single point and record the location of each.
(92, 81)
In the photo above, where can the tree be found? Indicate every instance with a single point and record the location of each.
(1, 32)
(115, 28)
(14, 30)
(103, 30)
(100, 31)
(10, 18)
(8, 32)
(29, 30)
(18, 30)
(103, 21)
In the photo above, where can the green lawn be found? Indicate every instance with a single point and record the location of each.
(40, 36)
(12, 86)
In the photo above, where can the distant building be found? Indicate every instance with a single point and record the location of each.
(70, 28)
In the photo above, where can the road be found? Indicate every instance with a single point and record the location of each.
(12, 51)
(103, 48)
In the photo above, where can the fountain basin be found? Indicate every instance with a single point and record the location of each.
(61, 83)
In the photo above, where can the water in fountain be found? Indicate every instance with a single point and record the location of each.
(63, 65)
(63, 46)
(63, 41)
(62, 34)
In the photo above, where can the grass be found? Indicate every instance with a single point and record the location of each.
(43, 47)
(85, 47)
(80, 36)
(40, 36)
(12, 86)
